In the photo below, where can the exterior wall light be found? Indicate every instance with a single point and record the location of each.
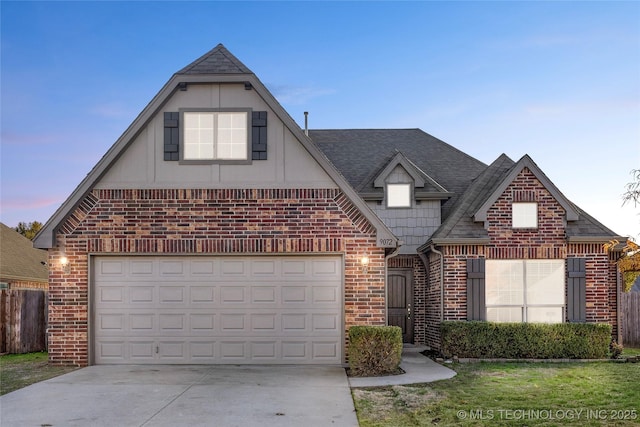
(364, 261)
(64, 263)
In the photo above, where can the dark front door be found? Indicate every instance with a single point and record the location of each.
(400, 301)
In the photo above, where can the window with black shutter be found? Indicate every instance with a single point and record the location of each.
(576, 290)
(476, 307)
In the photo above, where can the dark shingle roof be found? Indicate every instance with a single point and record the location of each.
(588, 226)
(460, 223)
(217, 61)
(360, 154)
(19, 260)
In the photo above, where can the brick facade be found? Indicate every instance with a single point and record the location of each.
(547, 241)
(184, 222)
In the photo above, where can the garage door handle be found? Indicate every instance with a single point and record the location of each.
(157, 349)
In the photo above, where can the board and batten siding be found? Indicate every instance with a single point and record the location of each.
(143, 164)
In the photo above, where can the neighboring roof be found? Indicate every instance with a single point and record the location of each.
(361, 154)
(466, 221)
(216, 66)
(19, 260)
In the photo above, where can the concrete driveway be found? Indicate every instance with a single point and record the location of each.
(185, 396)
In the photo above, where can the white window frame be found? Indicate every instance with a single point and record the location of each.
(519, 305)
(219, 143)
(398, 200)
(524, 215)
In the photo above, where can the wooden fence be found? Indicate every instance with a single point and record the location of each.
(630, 318)
(23, 320)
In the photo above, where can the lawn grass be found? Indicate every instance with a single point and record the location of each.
(630, 352)
(20, 370)
(511, 394)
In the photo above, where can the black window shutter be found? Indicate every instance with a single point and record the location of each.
(576, 287)
(259, 135)
(476, 306)
(171, 135)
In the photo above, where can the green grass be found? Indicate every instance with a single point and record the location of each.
(511, 394)
(20, 370)
(630, 352)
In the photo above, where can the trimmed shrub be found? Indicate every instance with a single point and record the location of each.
(374, 350)
(488, 340)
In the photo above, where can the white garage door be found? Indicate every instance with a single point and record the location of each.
(237, 310)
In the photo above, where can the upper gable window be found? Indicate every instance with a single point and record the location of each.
(215, 135)
(524, 215)
(399, 195)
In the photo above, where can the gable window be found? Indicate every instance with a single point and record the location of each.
(525, 291)
(215, 135)
(399, 195)
(524, 215)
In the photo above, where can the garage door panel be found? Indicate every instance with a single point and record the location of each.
(240, 310)
(141, 268)
(172, 268)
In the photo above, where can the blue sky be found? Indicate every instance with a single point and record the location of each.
(559, 81)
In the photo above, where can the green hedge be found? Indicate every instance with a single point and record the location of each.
(488, 340)
(374, 350)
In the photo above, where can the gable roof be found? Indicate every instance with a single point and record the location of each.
(459, 225)
(429, 187)
(19, 260)
(466, 221)
(216, 66)
(526, 162)
(217, 61)
(361, 154)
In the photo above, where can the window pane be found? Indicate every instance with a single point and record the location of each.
(399, 195)
(198, 135)
(504, 314)
(544, 314)
(524, 215)
(545, 281)
(504, 282)
(232, 136)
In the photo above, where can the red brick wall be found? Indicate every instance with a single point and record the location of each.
(601, 283)
(547, 241)
(182, 222)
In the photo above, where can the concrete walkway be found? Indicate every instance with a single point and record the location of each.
(165, 395)
(417, 368)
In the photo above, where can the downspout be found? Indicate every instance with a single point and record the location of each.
(386, 285)
(618, 297)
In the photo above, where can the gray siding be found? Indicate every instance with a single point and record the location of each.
(288, 164)
(414, 226)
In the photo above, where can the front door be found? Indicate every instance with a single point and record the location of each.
(400, 301)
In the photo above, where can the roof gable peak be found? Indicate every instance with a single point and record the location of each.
(526, 162)
(419, 177)
(217, 61)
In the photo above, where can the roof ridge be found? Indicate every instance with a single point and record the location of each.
(216, 61)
